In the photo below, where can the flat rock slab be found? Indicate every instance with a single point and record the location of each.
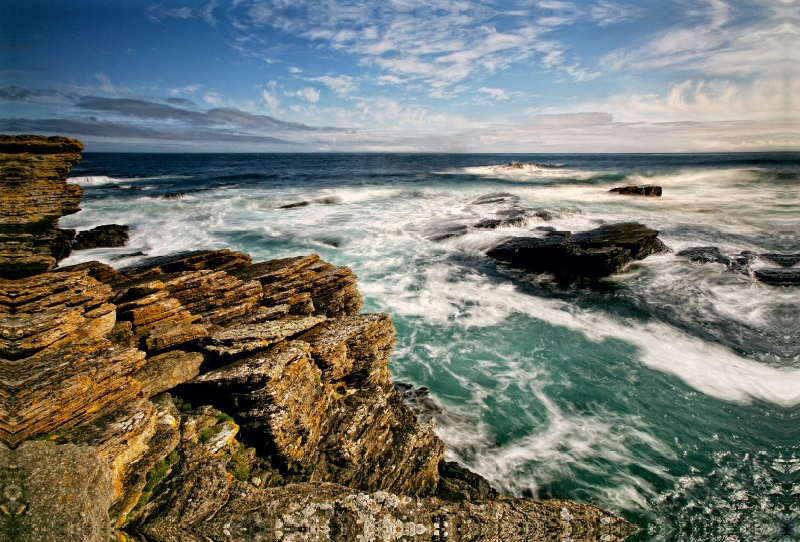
(165, 371)
(106, 236)
(58, 493)
(251, 337)
(784, 260)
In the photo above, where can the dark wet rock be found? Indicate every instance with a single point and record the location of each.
(595, 253)
(295, 205)
(170, 195)
(778, 277)
(457, 483)
(499, 197)
(419, 400)
(784, 260)
(494, 223)
(129, 255)
(704, 255)
(54, 493)
(450, 233)
(329, 200)
(655, 191)
(640, 240)
(544, 214)
(107, 236)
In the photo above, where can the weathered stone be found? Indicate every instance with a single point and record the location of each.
(251, 337)
(109, 235)
(165, 371)
(34, 194)
(169, 335)
(655, 191)
(459, 484)
(54, 493)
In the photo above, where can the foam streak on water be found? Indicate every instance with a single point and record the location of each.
(669, 393)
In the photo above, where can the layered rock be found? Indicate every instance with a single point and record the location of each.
(596, 253)
(34, 194)
(58, 368)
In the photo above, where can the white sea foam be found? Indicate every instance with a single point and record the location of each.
(95, 180)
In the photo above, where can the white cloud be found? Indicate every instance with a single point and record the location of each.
(156, 13)
(715, 44)
(439, 43)
(341, 85)
(212, 98)
(292, 69)
(188, 89)
(308, 94)
(272, 99)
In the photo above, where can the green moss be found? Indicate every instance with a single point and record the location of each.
(154, 476)
(53, 435)
(239, 463)
(205, 435)
(222, 417)
(181, 404)
(317, 380)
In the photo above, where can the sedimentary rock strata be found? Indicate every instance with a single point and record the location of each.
(34, 194)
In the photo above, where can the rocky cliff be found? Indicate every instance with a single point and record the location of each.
(202, 396)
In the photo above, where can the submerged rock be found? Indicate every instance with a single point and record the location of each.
(107, 236)
(778, 277)
(595, 253)
(655, 191)
(784, 260)
(704, 255)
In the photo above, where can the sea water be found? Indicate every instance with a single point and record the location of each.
(669, 393)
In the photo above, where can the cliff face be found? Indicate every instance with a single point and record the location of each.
(201, 396)
(34, 194)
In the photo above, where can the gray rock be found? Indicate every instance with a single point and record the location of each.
(58, 493)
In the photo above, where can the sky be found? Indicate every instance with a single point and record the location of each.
(404, 76)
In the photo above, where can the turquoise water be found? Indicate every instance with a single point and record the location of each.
(668, 393)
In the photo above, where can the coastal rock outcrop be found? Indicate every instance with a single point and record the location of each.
(34, 194)
(201, 396)
(595, 253)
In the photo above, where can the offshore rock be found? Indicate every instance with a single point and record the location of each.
(704, 255)
(34, 194)
(653, 191)
(778, 277)
(595, 253)
(58, 493)
(107, 236)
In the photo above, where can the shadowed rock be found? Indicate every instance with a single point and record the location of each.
(107, 236)
(595, 253)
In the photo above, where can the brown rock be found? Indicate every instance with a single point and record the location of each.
(257, 336)
(169, 335)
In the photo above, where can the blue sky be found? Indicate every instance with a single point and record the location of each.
(450, 76)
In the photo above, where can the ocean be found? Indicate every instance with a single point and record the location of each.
(669, 393)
